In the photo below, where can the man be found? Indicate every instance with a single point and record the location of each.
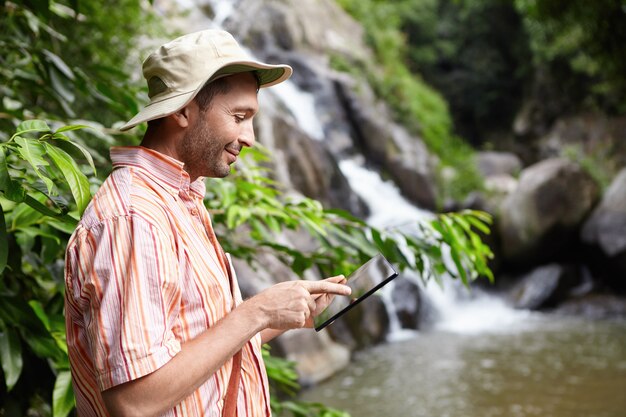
(155, 321)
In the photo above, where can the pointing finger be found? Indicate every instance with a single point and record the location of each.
(325, 287)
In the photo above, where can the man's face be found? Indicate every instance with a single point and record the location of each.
(216, 136)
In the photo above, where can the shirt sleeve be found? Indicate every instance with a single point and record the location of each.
(128, 282)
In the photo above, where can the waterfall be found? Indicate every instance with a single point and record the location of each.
(458, 310)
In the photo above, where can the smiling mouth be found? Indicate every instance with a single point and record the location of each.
(233, 153)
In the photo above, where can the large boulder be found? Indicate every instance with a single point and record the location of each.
(316, 355)
(317, 27)
(605, 229)
(540, 219)
(544, 287)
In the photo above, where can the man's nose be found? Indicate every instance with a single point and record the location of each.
(247, 138)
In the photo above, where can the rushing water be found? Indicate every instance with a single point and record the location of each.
(482, 358)
(547, 366)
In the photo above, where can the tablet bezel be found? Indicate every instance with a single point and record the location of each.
(363, 296)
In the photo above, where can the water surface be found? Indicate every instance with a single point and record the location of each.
(547, 366)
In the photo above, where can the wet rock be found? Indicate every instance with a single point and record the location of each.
(540, 219)
(604, 233)
(606, 228)
(544, 287)
(601, 137)
(406, 300)
(318, 27)
(364, 325)
(303, 163)
(388, 145)
(595, 306)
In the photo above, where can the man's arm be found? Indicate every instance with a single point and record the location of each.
(287, 305)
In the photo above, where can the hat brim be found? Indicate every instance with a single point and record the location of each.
(268, 75)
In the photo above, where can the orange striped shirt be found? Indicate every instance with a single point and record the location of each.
(143, 277)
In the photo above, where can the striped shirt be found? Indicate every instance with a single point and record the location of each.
(143, 276)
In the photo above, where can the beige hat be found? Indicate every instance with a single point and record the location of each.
(178, 70)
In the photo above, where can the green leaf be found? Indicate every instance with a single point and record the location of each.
(78, 182)
(63, 397)
(71, 127)
(5, 177)
(459, 266)
(23, 216)
(59, 64)
(4, 242)
(11, 355)
(43, 209)
(33, 152)
(478, 224)
(34, 125)
(80, 147)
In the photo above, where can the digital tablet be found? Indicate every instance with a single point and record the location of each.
(366, 280)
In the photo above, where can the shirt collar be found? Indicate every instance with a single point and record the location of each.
(164, 169)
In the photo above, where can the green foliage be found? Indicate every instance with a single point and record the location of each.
(476, 54)
(55, 64)
(582, 45)
(38, 174)
(253, 211)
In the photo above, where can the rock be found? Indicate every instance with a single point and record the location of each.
(498, 164)
(303, 163)
(589, 134)
(544, 287)
(605, 231)
(317, 27)
(540, 219)
(388, 145)
(317, 357)
(406, 300)
(595, 306)
(607, 225)
(364, 325)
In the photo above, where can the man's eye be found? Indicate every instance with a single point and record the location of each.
(240, 117)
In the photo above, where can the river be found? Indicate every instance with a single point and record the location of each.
(546, 365)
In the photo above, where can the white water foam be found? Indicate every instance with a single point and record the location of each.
(302, 105)
(458, 310)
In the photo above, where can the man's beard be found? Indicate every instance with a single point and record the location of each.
(203, 150)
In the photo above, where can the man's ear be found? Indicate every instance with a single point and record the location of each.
(184, 116)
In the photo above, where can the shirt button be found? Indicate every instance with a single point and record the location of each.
(194, 212)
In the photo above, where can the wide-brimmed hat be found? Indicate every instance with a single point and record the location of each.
(178, 70)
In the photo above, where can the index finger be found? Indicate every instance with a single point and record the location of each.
(339, 279)
(326, 287)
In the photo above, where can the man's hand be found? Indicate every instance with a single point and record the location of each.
(292, 304)
(323, 300)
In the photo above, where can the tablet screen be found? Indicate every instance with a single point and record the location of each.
(371, 276)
